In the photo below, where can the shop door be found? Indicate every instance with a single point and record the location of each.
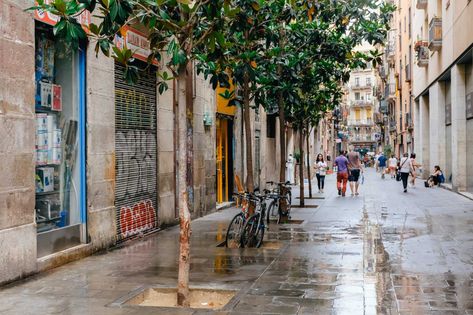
(136, 149)
(221, 158)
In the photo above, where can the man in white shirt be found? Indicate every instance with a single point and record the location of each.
(393, 166)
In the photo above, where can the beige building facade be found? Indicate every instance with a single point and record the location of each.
(397, 79)
(442, 89)
(90, 161)
(362, 105)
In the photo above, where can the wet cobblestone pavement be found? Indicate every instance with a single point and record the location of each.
(383, 252)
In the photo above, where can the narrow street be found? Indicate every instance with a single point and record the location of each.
(384, 252)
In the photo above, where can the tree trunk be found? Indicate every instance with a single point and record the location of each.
(301, 166)
(184, 214)
(190, 135)
(249, 150)
(282, 139)
(308, 163)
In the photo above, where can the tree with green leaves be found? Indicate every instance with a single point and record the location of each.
(183, 30)
(318, 50)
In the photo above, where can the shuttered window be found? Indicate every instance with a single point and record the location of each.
(136, 154)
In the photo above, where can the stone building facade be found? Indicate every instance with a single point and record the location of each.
(89, 160)
(30, 241)
(443, 87)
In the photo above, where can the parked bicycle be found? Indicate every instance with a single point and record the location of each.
(280, 206)
(235, 228)
(253, 229)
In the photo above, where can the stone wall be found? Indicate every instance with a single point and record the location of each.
(101, 221)
(17, 141)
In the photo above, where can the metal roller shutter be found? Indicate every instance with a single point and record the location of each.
(136, 149)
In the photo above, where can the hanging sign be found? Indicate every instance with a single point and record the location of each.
(52, 19)
(136, 41)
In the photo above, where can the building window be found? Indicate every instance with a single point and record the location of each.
(368, 81)
(357, 96)
(368, 96)
(357, 81)
(271, 126)
(410, 23)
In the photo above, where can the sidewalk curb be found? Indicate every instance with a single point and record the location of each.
(465, 194)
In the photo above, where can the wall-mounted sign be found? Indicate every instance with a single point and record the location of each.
(448, 114)
(136, 41)
(51, 19)
(469, 105)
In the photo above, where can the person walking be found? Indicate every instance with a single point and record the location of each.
(415, 167)
(355, 169)
(382, 164)
(392, 166)
(320, 171)
(342, 173)
(405, 168)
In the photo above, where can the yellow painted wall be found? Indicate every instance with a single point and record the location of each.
(222, 103)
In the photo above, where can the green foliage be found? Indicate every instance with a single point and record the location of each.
(293, 55)
(388, 150)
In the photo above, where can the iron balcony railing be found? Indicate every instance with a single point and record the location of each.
(360, 122)
(361, 103)
(435, 34)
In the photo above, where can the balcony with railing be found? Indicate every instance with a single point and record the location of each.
(392, 125)
(362, 138)
(421, 4)
(390, 91)
(435, 34)
(361, 103)
(409, 122)
(379, 118)
(360, 122)
(422, 53)
(361, 86)
(391, 49)
(383, 107)
(408, 72)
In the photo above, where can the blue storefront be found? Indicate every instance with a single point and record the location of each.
(60, 140)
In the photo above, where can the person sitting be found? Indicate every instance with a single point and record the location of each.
(436, 178)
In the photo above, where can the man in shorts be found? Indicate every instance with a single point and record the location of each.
(342, 173)
(382, 164)
(355, 169)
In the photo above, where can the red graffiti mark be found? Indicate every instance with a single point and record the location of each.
(138, 218)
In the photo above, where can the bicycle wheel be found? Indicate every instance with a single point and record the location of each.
(253, 232)
(272, 211)
(233, 238)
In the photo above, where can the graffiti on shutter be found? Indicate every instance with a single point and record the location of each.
(136, 149)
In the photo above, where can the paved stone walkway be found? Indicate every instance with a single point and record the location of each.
(383, 252)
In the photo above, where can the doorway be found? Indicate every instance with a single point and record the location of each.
(224, 158)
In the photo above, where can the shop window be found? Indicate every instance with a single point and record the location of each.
(58, 155)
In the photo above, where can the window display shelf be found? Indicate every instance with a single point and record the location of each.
(47, 193)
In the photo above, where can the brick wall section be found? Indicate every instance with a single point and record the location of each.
(17, 227)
